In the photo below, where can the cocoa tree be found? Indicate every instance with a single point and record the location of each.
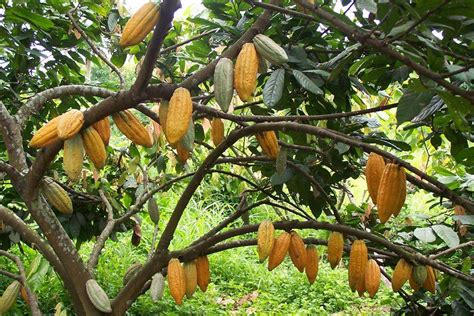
(314, 98)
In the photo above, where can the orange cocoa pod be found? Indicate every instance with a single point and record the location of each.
(46, 135)
(131, 127)
(245, 71)
(140, 24)
(217, 131)
(357, 264)
(269, 143)
(401, 274)
(392, 192)
(335, 248)
(94, 147)
(182, 153)
(176, 280)
(190, 275)
(372, 277)
(103, 128)
(413, 283)
(279, 251)
(203, 272)
(373, 173)
(430, 282)
(69, 124)
(297, 251)
(312, 263)
(265, 239)
(178, 116)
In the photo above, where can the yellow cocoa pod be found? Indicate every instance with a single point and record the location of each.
(413, 283)
(312, 263)
(269, 143)
(70, 124)
(190, 276)
(217, 131)
(56, 196)
(373, 173)
(94, 147)
(73, 157)
(178, 115)
(392, 192)
(203, 272)
(103, 128)
(131, 127)
(357, 264)
(372, 277)
(182, 153)
(163, 114)
(401, 274)
(245, 71)
(297, 251)
(430, 282)
(9, 297)
(156, 125)
(176, 280)
(279, 251)
(140, 24)
(335, 248)
(46, 135)
(265, 239)
(459, 210)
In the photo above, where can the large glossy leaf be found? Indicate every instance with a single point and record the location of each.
(447, 234)
(273, 89)
(411, 104)
(306, 82)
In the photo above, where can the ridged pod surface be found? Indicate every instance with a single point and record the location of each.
(419, 274)
(217, 131)
(297, 251)
(224, 83)
(140, 24)
(178, 115)
(163, 114)
(94, 147)
(245, 71)
(413, 283)
(373, 173)
(265, 239)
(131, 271)
(176, 280)
(9, 296)
(430, 282)
(357, 264)
(131, 127)
(401, 274)
(270, 50)
(70, 124)
(392, 192)
(103, 128)
(46, 135)
(56, 196)
(203, 272)
(269, 143)
(279, 251)
(98, 296)
(372, 277)
(312, 263)
(73, 157)
(335, 248)
(157, 287)
(190, 275)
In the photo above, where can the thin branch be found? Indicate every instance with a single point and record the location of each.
(11, 275)
(460, 70)
(453, 249)
(172, 47)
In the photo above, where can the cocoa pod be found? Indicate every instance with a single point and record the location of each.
(265, 239)
(312, 263)
(401, 274)
(245, 71)
(224, 83)
(281, 160)
(190, 276)
(178, 116)
(73, 157)
(335, 248)
(136, 235)
(98, 296)
(217, 131)
(270, 50)
(358, 259)
(176, 280)
(69, 124)
(163, 115)
(430, 282)
(56, 196)
(297, 251)
(131, 127)
(182, 153)
(24, 295)
(373, 173)
(203, 272)
(156, 125)
(372, 277)
(9, 297)
(140, 24)
(413, 284)
(263, 65)
(131, 272)
(157, 287)
(420, 273)
(153, 210)
(392, 192)
(279, 251)
(187, 141)
(94, 147)
(46, 135)
(269, 143)
(103, 128)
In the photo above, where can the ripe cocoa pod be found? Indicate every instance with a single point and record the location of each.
(245, 71)
(140, 24)
(297, 251)
(269, 143)
(176, 280)
(217, 131)
(103, 128)
(203, 272)
(182, 153)
(163, 115)
(373, 173)
(372, 277)
(430, 282)
(459, 210)
(335, 248)
(413, 284)
(270, 50)
(24, 295)
(131, 272)
(190, 275)
(312, 263)
(46, 135)
(73, 157)
(94, 147)
(265, 239)
(98, 296)
(357, 265)
(401, 274)
(157, 287)
(392, 192)
(178, 116)
(70, 124)
(156, 126)
(224, 83)
(279, 251)
(56, 196)
(153, 211)
(419, 274)
(9, 297)
(131, 127)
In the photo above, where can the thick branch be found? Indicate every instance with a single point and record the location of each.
(11, 134)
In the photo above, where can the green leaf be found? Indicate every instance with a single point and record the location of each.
(33, 18)
(368, 5)
(306, 83)
(112, 21)
(465, 219)
(458, 107)
(401, 28)
(273, 89)
(425, 234)
(447, 234)
(411, 104)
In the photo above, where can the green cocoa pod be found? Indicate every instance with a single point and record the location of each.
(419, 275)
(270, 50)
(56, 196)
(153, 211)
(9, 297)
(224, 83)
(131, 271)
(157, 287)
(98, 296)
